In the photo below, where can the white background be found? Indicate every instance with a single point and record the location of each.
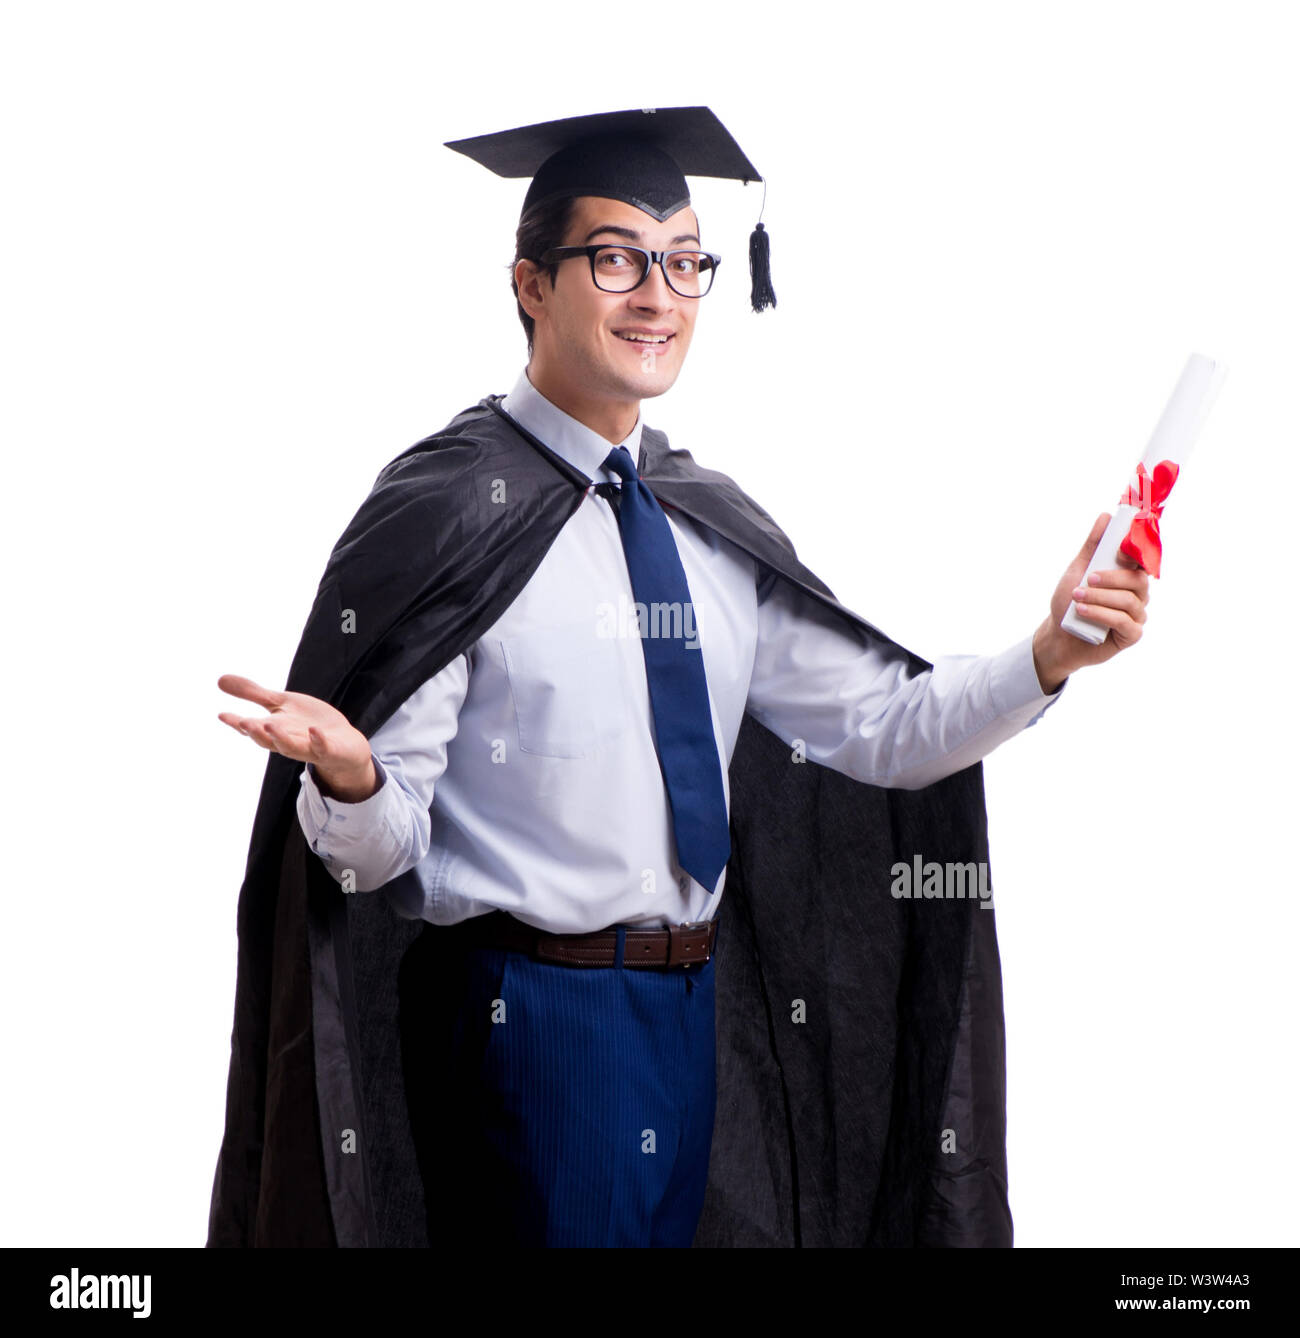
(241, 274)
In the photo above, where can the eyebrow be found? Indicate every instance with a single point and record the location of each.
(632, 235)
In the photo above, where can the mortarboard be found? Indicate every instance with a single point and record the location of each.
(641, 157)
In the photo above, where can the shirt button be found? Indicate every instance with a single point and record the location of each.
(684, 882)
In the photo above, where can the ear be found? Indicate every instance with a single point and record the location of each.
(529, 278)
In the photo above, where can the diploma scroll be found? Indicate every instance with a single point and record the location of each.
(1171, 443)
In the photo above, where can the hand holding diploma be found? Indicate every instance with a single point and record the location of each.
(1115, 599)
(1102, 603)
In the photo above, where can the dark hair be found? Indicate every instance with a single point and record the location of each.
(541, 228)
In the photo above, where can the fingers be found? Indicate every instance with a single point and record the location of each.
(1125, 629)
(1127, 581)
(264, 732)
(260, 731)
(1096, 597)
(238, 686)
(281, 733)
(1117, 600)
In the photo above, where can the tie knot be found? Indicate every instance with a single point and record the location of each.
(620, 461)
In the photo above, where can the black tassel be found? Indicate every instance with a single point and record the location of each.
(760, 270)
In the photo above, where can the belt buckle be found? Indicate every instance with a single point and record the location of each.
(683, 953)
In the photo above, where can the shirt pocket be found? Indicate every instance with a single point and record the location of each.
(568, 690)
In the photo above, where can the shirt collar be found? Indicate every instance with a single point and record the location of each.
(576, 442)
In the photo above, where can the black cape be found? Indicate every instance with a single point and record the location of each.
(878, 1119)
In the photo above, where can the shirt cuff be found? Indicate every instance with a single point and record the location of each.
(323, 807)
(1014, 685)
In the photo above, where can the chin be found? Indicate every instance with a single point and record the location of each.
(647, 385)
(650, 387)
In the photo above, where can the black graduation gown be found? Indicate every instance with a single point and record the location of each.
(877, 1119)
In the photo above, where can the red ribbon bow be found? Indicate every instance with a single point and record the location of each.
(1142, 542)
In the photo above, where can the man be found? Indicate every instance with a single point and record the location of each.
(548, 798)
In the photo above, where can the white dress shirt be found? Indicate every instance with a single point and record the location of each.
(524, 777)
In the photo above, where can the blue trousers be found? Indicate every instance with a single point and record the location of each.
(557, 1105)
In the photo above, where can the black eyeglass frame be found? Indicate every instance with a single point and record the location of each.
(648, 258)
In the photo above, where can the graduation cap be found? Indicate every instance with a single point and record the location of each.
(641, 157)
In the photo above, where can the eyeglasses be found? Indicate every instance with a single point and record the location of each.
(620, 269)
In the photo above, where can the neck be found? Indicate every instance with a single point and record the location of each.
(613, 419)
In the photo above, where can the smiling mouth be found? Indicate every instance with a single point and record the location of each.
(645, 341)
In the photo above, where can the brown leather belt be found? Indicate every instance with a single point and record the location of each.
(678, 945)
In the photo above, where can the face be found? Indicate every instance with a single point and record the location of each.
(585, 338)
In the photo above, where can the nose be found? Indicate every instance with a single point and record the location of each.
(653, 294)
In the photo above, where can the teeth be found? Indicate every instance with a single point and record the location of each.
(645, 339)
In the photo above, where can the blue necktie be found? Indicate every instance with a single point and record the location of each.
(679, 694)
